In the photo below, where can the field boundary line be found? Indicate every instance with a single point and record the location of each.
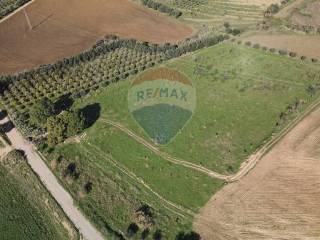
(166, 156)
(245, 167)
(16, 11)
(139, 180)
(257, 156)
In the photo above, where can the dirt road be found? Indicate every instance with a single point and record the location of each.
(279, 199)
(57, 191)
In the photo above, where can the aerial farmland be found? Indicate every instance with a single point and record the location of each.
(159, 119)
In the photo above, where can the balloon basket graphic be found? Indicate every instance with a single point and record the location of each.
(162, 100)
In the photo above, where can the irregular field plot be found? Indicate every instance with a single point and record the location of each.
(66, 27)
(279, 199)
(119, 169)
(302, 13)
(235, 86)
(303, 45)
(26, 209)
(213, 12)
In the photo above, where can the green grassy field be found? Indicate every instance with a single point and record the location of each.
(118, 167)
(236, 86)
(241, 94)
(26, 210)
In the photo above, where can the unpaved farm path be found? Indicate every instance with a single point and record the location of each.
(279, 199)
(64, 199)
(247, 165)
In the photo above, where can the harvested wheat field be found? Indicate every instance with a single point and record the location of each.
(62, 28)
(303, 45)
(278, 199)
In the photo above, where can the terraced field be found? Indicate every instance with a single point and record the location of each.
(213, 13)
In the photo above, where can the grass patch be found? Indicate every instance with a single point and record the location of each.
(27, 211)
(244, 96)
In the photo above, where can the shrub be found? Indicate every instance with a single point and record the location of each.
(14, 158)
(292, 54)
(303, 58)
(256, 45)
(272, 9)
(248, 43)
(272, 50)
(314, 60)
(283, 52)
(265, 48)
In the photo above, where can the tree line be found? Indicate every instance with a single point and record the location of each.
(162, 8)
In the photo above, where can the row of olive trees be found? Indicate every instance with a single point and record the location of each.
(276, 51)
(8, 6)
(108, 61)
(162, 8)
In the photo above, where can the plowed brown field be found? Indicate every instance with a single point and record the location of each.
(303, 45)
(62, 28)
(279, 199)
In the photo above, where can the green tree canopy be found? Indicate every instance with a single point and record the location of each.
(66, 124)
(41, 111)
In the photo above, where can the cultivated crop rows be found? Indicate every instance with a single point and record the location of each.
(215, 12)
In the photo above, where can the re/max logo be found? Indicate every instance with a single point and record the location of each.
(162, 93)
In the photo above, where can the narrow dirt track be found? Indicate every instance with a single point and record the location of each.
(62, 28)
(165, 156)
(245, 167)
(279, 199)
(63, 198)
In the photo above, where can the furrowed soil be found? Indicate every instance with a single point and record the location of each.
(63, 28)
(303, 45)
(279, 199)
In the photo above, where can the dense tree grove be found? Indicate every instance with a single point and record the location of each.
(41, 111)
(162, 8)
(64, 125)
(108, 61)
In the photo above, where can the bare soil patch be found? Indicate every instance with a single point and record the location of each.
(303, 45)
(308, 16)
(63, 28)
(279, 199)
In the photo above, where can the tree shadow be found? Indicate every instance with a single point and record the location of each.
(188, 236)
(7, 127)
(65, 102)
(3, 114)
(91, 114)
